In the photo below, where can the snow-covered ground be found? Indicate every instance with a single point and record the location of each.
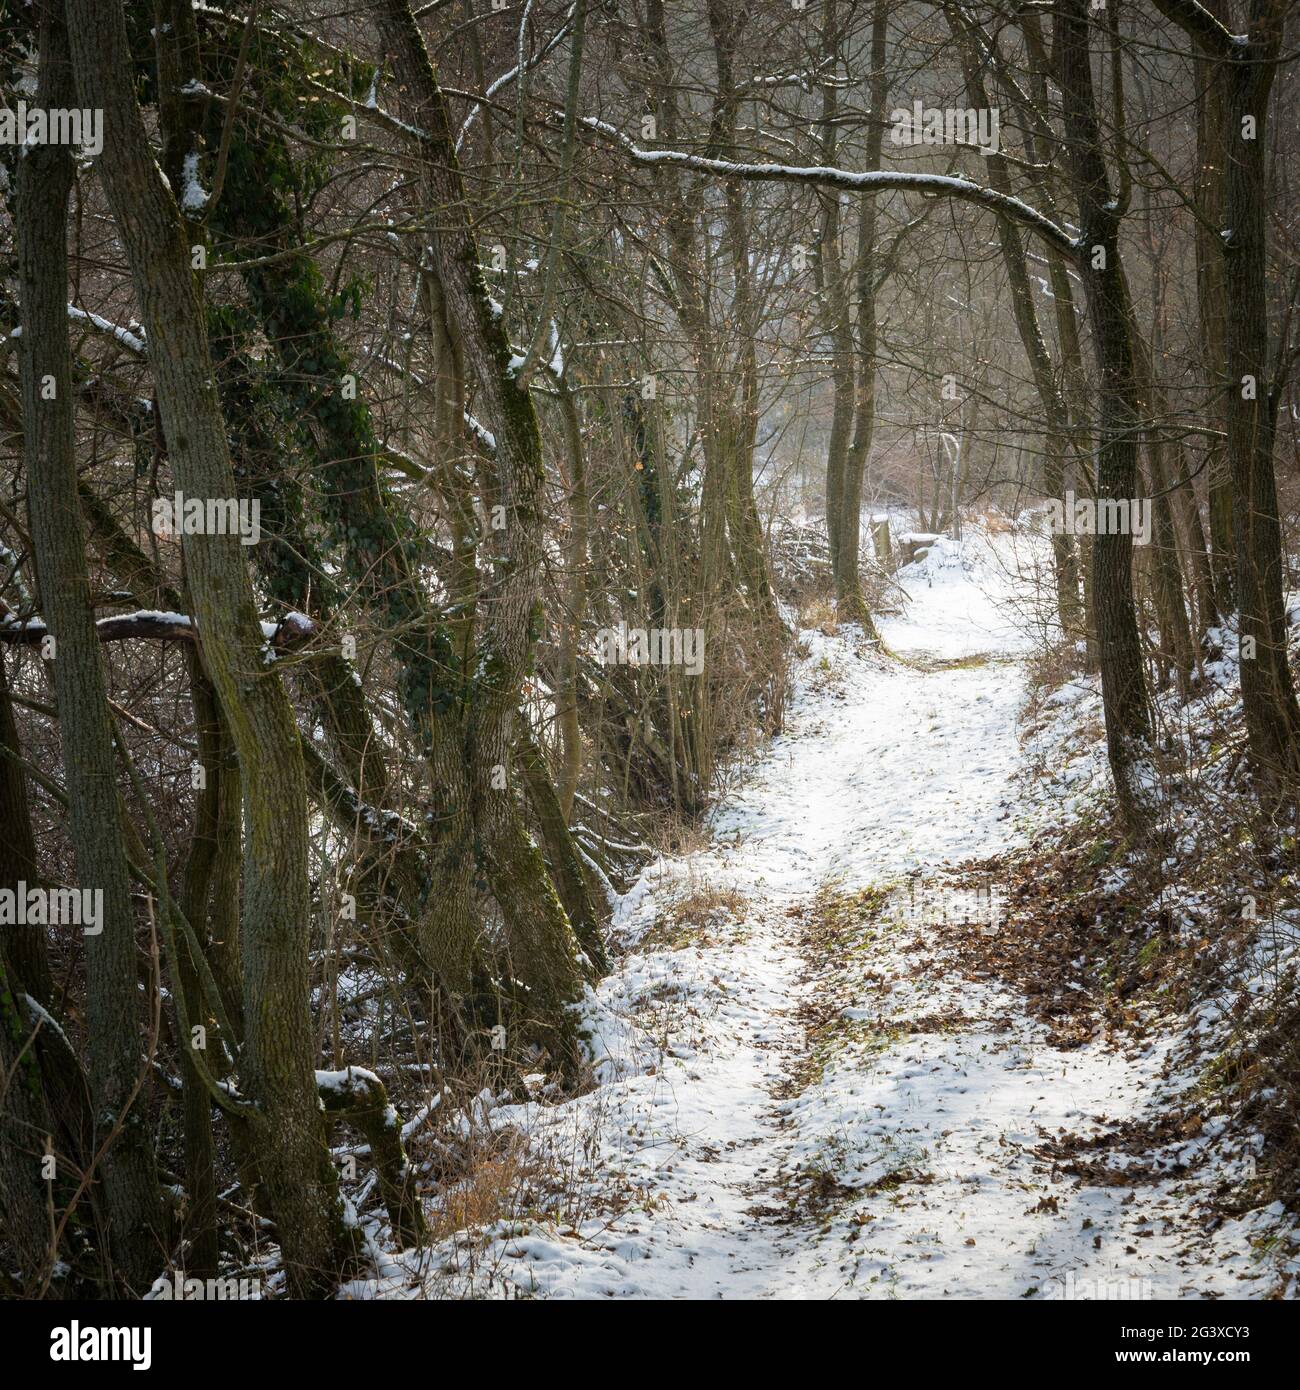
(890, 1151)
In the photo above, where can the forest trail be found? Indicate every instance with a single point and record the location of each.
(789, 1113)
(884, 768)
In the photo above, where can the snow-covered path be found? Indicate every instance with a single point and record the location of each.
(883, 768)
(855, 1118)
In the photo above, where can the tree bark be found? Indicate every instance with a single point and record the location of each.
(276, 1072)
(540, 938)
(1211, 297)
(1267, 688)
(1056, 432)
(117, 1061)
(1249, 65)
(1124, 696)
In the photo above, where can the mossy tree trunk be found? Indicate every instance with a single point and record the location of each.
(542, 946)
(276, 1070)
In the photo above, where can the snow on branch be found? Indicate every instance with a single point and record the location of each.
(872, 181)
(507, 77)
(1203, 27)
(152, 625)
(130, 338)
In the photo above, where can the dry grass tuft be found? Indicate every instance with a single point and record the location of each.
(819, 613)
(493, 1188)
(697, 919)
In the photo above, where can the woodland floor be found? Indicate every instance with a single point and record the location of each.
(806, 1094)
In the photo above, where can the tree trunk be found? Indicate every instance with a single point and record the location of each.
(24, 947)
(1065, 565)
(25, 1124)
(566, 863)
(118, 1066)
(541, 941)
(200, 1152)
(1212, 135)
(276, 1072)
(1124, 696)
(1267, 689)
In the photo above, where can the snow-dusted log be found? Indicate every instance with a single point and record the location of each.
(358, 1096)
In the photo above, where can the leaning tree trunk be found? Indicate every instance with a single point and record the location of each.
(276, 1070)
(1065, 565)
(571, 880)
(542, 945)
